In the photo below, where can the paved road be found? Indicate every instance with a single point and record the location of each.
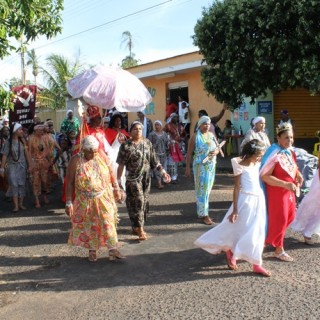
(165, 277)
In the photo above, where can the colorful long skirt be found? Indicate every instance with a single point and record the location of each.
(204, 176)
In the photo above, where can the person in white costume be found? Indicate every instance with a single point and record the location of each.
(242, 232)
(307, 220)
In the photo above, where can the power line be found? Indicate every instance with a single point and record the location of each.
(104, 24)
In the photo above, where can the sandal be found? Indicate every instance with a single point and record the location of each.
(206, 220)
(92, 256)
(142, 236)
(232, 263)
(115, 254)
(260, 270)
(283, 256)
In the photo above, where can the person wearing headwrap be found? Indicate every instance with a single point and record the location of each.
(146, 122)
(70, 123)
(15, 154)
(203, 149)
(39, 153)
(95, 129)
(5, 122)
(177, 136)
(160, 142)
(91, 195)
(257, 132)
(137, 155)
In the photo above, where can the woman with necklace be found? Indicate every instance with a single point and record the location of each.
(282, 180)
(257, 132)
(16, 155)
(39, 153)
(160, 141)
(92, 190)
(139, 157)
(203, 147)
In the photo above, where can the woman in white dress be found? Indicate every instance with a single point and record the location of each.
(307, 220)
(242, 232)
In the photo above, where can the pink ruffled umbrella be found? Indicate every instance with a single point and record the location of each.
(108, 87)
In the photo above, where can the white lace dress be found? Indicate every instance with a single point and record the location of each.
(245, 237)
(307, 220)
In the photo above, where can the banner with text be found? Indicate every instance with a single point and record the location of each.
(24, 105)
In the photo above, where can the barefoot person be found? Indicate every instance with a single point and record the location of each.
(15, 154)
(93, 210)
(39, 152)
(241, 234)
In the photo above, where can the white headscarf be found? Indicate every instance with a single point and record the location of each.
(203, 119)
(69, 112)
(134, 123)
(159, 122)
(258, 119)
(16, 127)
(90, 143)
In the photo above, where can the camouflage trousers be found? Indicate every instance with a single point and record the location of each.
(137, 199)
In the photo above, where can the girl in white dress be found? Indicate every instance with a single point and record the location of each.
(242, 232)
(307, 220)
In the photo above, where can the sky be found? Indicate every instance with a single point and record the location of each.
(159, 28)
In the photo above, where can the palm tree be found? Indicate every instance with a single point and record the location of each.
(128, 61)
(59, 70)
(34, 63)
(127, 39)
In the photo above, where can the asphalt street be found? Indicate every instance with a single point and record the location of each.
(165, 277)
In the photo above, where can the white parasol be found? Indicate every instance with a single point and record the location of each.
(108, 87)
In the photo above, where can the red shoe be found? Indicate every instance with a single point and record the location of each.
(260, 270)
(232, 263)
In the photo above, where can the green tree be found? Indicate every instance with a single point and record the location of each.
(28, 18)
(254, 45)
(128, 61)
(58, 71)
(6, 98)
(32, 60)
(15, 82)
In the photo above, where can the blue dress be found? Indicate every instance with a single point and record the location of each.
(204, 170)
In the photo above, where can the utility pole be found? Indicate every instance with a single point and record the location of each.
(23, 68)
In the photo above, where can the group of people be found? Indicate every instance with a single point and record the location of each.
(111, 165)
(266, 183)
(29, 156)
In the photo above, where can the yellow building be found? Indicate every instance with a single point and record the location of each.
(179, 75)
